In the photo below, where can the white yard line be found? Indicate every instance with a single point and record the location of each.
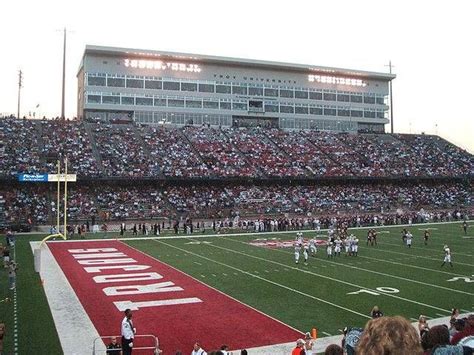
(15, 322)
(422, 247)
(75, 330)
(268, 281)
(328, 278)
(424, 257)
(350, 266)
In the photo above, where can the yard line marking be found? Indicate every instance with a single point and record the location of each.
(224, 274)
(325, 333)
(197, 263)
(203, 276)
(465, 310)
(421, 257)
(414, 319)
(350, 266)
(209, 286)
(424, 248)
(214, 275)
(408, 265)
(441, 315)
(332, 279)
(266, 280)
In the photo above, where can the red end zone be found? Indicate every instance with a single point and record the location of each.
(110, 276)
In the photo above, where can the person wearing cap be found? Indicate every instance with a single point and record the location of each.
(299, 349)
(128, 333)
(468, 329)
(197, 350)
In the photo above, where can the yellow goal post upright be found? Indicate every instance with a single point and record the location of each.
(60, 177)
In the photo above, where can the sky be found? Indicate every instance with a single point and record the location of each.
(430, 44)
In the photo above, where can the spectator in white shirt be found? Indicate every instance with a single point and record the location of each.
(197, 350)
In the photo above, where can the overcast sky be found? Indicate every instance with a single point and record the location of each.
(430, 43)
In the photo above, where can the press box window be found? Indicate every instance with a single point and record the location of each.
(96, 81)
(93, 99)
(144, 101)
(256, 104)
(256, 91)
(206, 88)
(171, 85)
(135, 83)
(128, 100)
(188, 87)
(223, 89)
(153, 84)
(116, 82)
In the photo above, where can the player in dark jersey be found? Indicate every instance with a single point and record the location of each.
(374, 237)
(426, 236)
(464, 226)
(369, 237)
(404, 235)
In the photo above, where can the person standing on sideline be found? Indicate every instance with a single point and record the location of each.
(113, 348)
(464, 227)
(447, 256)
(128, 333)
(197, 350)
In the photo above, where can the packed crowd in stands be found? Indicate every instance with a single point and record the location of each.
(220, 155)
(102, 149)
(147, 201)
(70, 139)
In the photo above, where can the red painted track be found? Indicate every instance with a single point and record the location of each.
(217, 320)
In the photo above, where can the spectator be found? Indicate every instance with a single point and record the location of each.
(299, 349)
(333, 349)
(2, 335)
(376, 312)
(422, 325)
(389, 336)
(197, 350)
(114, 348)
(468, 329)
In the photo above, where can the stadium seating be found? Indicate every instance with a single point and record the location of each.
(223, 160)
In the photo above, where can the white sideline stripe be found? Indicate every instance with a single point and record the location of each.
(266, 280)
(383, 274)
(334, 280)
(240, 234)
(321, 343)
(15, 319)
(212, 288)
(75, 329)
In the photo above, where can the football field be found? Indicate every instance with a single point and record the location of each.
(259, 272)
(330, 294)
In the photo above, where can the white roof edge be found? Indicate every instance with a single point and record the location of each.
(133, 52)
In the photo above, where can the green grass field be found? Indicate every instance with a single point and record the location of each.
(328, 294)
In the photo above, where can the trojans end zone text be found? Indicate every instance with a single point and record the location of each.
(99, 260)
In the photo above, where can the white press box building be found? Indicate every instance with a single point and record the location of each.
(155, 87)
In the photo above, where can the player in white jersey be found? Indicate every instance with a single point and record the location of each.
(355, 247)
(318, 225)
(297, 253)
(306, 253)
(337, 248)
(347, 245)
(329, 249)
(312, 247)
(409, 239)
(299, 238)
(447, 256)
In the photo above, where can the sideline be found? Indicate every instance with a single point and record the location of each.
(75, 330)
(187, 236)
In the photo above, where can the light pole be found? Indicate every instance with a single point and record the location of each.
(390, 66)
(20, 85)
(64, 77)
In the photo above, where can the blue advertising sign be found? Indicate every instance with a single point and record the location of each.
(33, 177)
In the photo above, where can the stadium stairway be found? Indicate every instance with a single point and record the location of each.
(145, 148)
(95, 151)
(311, 171)
(242, 155)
